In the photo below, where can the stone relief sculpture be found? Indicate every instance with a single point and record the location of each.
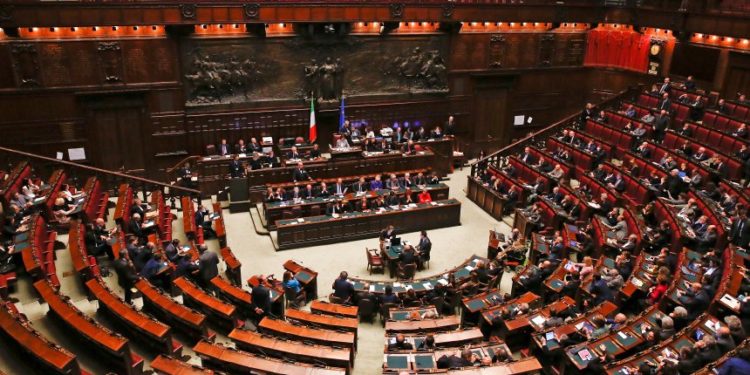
(213, 78)
(325, 80)
(419, 71)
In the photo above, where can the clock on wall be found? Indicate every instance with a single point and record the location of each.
(655, 52)
(655, 49)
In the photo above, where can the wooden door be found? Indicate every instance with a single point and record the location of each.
(492, 118)
(116, 139)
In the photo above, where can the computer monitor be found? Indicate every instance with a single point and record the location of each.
(396, 241)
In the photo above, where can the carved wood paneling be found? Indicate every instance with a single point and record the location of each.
(26, 65)
(110, 60)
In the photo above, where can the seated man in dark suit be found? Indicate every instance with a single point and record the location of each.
(400, 344)
(224, 148)
(695, 300)
(294, 154)
(388, 233)
(324, 192)
(335, 209)
(308, 192)
(408, 256)
(342, 288)
(360, 186)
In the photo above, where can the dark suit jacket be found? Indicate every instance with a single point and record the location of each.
(740, 237)
(126, 275)
(300, 175)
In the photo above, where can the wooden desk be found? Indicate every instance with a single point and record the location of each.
(172, 366)
(319, 230)
(235, 361)
(323, 321)
(334, 309)
(444, 340)
(275, 290)
(274, 211)
(420, 286)
(112, 345)
(222, 313)
(490, 311)
(178, 316)
(221, 231)
(255, 342)
(235, 294)
(307, 277)
(486, 198)
(234, 267)
(212, 173)
(321, 336)
(46, 354)
(400, 314)
(427, 325)
(140, 325)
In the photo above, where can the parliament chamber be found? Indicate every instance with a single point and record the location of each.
(539, 187)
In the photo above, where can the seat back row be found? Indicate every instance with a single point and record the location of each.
(597, 189)
(538, 154)
(658, 152)
(584, 209)
(720, 122)
(95, 205)
(137, 325)
(621, 139)
(635, 192)
(734, 167)
(645, 168)
(679, 111)
(739, 111)
(38, 250)
(713, 217)
(49, 357)
(663, 213)
(730, 144)
(526, 174)
(115, 348)
(122, 209)
(163, 216)
(507, 182)
(582, 161)
(604, 143)
(13, 181)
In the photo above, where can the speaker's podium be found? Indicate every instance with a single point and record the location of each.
(239, 198)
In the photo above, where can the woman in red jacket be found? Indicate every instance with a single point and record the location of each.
(424, 197)
(657, 291)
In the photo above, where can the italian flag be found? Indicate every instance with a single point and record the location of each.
(313, 128)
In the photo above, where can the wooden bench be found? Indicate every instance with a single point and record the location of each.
(137, 324)
(115, 348)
